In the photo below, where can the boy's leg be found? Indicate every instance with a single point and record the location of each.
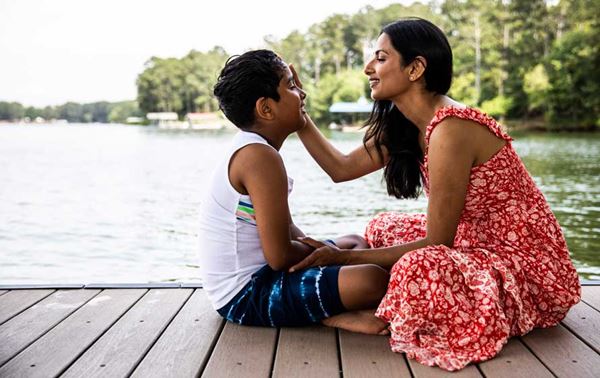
(351, 241)
(361, 288)
(363, 321)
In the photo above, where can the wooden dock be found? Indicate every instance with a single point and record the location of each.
(172, 331)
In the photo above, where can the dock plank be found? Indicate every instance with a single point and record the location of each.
(119, 350)
(16, 301)
(421, 371)
(562, 352)
(514, 361)
(591, 296)
(584, 321)
(307, 352)
(81, 332)
(370, 355)
(242, 351)
(184, 348)
(56, 350)
(23, 329)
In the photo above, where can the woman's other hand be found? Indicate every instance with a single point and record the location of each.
(295, 76)
(324, 254)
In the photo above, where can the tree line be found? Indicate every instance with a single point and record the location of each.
(512, 58)
(102, 112)
(517, 59)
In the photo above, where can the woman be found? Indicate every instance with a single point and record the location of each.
(488, 260)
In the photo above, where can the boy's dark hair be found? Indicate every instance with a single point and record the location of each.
(244, 79)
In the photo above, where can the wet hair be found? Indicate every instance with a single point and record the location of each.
(243, 80)
(387, 126)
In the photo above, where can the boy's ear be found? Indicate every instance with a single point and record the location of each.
(264, 109)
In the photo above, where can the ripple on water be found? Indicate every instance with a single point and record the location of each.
(121, 204)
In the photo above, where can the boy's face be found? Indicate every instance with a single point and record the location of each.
(290, 107)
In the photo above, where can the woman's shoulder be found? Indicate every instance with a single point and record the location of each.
(464, 119)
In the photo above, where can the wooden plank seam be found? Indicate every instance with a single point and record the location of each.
(167, 324)
(28, 307)
(580, 337)
(274, 353)
(535, 355)
(51, 328)
(82, 352)
(160, 333)
(211, 348)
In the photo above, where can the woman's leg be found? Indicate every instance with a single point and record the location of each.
(361, 288)
(391, 228)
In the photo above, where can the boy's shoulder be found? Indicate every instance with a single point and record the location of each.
(258, 157)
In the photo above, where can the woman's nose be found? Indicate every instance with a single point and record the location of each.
(368, 67)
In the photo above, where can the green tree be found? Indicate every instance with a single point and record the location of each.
(529, 42)
(120, 111)
(574, 76)
(293, 50)
(348, 86)
(536, 85)
(71, 111)
(159, 86)
(180, 85)
(11, 111)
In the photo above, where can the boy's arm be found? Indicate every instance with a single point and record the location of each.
(295, 232)
(260, 170)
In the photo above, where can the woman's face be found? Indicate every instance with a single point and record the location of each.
(388, 78)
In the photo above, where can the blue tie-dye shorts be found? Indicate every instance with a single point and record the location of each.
(278, 298)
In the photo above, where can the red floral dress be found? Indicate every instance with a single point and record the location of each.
(508, 271)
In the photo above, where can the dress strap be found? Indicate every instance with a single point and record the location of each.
(471, 114)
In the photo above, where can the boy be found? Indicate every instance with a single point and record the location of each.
(249, 240)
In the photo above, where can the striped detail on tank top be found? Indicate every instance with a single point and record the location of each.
(245, 213)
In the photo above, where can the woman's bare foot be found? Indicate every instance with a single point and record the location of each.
(363, 321)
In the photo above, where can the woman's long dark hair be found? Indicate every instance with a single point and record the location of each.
(411, 37)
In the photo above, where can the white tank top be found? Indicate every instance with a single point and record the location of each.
(230, 249)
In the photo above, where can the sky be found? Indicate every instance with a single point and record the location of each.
(54, 51)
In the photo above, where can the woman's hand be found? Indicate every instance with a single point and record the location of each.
(295, 76)
(324, 254)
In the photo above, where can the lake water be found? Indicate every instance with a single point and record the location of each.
(111, 203)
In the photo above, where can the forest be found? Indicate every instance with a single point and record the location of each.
(515, 59)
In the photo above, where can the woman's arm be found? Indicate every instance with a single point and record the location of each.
(339, 166)
(451, 156)
(258, 170)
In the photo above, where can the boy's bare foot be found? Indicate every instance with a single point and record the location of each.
(363, 321)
